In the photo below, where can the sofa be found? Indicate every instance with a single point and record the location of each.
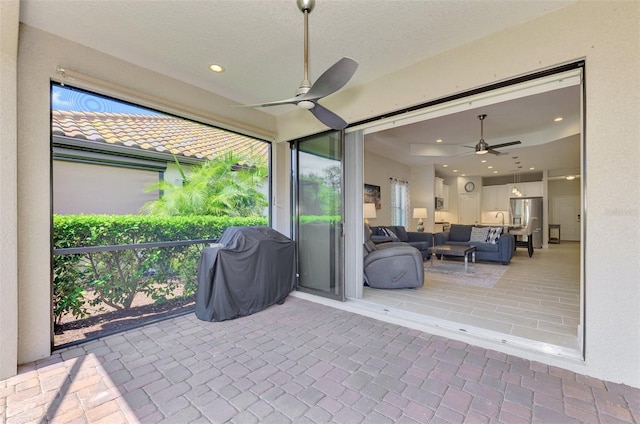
(492, 244)
(397, 233)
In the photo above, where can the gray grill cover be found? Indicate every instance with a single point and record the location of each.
(253, 269)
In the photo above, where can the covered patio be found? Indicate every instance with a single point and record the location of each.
(301, 362)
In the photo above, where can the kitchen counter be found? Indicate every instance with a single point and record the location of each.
(440, 226)
(497, 224)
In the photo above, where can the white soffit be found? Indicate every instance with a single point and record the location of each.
(510, 92)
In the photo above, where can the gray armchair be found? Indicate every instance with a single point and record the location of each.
(392, 265)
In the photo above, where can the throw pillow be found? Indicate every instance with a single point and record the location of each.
(479, 234)
(494, 234)
(377, 231)
(389, 233)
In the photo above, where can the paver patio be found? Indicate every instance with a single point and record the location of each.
(301, 363)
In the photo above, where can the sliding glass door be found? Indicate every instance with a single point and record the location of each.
(318, 213)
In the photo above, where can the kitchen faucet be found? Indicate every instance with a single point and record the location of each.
(502, 216)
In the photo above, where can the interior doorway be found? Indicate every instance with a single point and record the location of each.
(566, 212)
(561, 147)
(469, 208)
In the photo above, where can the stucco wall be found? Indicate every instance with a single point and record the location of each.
(9, 11)
(605, 35)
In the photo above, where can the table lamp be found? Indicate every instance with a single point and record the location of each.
(369, 211)
(420, 213)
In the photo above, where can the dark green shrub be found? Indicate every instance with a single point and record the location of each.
(68, 295)
(115, 277)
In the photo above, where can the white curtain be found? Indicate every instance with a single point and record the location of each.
(400, 202)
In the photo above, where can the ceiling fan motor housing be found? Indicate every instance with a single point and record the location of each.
(306, 5)
(482, 147)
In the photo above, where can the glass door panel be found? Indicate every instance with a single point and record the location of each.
(319, 214)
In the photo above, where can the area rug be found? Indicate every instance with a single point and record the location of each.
(479, 274)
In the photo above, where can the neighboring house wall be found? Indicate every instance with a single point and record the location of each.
(100, 189)
(172, 173)
(605, 33)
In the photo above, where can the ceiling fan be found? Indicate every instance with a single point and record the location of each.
(483, 148)
(332, 80)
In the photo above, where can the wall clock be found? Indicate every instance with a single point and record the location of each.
(469, 187)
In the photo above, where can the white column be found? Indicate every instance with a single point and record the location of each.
(353, 219)
(9, 15)
(281, 188)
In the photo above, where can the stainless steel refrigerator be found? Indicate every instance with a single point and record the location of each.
(523, 209)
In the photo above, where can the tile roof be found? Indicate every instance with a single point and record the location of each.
(154, 133)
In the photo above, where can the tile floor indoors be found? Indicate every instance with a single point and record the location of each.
(537, 298)
(301, 362)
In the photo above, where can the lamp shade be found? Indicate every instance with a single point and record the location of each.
(369, 210)
(420, 213)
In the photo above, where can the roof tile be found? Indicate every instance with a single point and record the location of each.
(159, 133)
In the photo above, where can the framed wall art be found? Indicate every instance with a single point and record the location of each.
(372, 195)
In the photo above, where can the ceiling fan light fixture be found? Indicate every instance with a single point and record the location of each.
(482, 148)
(306, 104)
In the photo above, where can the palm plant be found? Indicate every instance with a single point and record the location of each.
(227, 185)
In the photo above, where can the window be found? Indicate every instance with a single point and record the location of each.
(137, 194)
(399, 202)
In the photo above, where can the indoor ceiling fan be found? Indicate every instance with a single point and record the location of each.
(332, 80)
(483, 148)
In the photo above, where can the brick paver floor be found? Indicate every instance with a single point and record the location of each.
(301, 363)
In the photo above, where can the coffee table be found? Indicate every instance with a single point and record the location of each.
(454, 250)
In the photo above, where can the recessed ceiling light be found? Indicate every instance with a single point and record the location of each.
(464, 175)
(483, 161)
(490, 167)
(455, 170)
(532, 168)
(558, 119)
(495, 172)
(439, 140)
(216, 68)
(444, 166)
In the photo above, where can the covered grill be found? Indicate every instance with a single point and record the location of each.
(250, 269)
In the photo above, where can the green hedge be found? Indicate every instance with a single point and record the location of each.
(320, 219)
(115, 277)
(105, 230)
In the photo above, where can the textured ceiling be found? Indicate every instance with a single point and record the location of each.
(260, 43)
